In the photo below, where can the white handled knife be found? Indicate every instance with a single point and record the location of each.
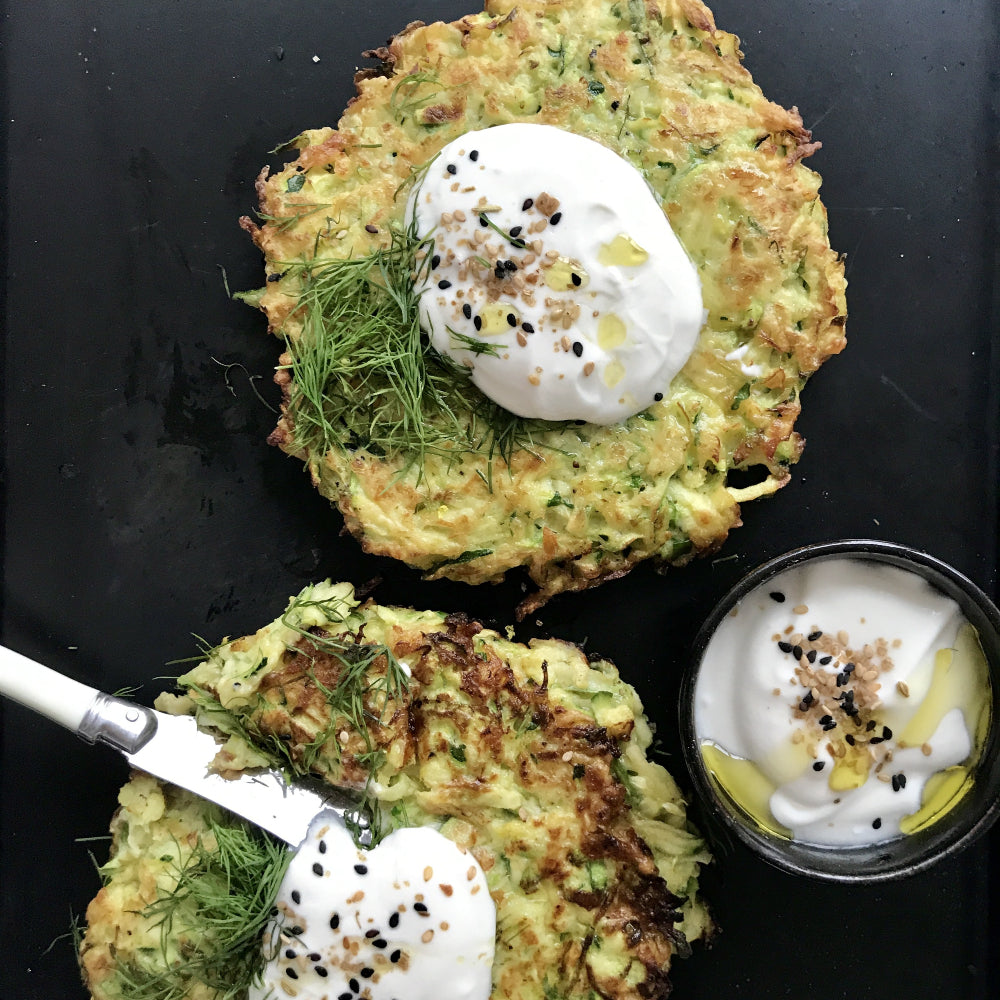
(172, 748)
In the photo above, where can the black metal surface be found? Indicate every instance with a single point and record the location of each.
(141, 504)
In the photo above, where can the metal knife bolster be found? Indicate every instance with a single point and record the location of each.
(121, 724)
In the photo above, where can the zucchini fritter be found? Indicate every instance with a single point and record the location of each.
(530, 756)
(660, 85)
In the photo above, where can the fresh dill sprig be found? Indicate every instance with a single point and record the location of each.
(225, 895)
(365, 376)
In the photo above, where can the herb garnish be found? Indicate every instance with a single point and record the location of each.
(365, 376)
(227, 893)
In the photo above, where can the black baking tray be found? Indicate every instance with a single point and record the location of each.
(142, 506)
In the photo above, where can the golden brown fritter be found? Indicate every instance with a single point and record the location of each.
(660, 85)
(530, 756)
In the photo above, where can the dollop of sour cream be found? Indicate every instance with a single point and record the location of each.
(843, 703)
(554, 274)
(411, 919)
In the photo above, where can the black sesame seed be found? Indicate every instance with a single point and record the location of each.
(777, 596)
(527, 327)
(435, 260)
(797, 652)
(870, 726)
(296, 896)
(371, 934)
(818, 766)
(895, 782)
(876, 739)
(320, 971)
(526, 204)
(420, 907)
(334, 921)
(811, 656)
(510, 266)
(345, 996)
(825, 719)
(296, 931)
(274, 911)
(483, 221)
(577, 348)
(395, 956)
(657, 396)
(467, 311)
(511, 319)
(576, 279)
(394, 920)
(830, 725)
(290, 953)
(516, 230)
(322, 847)
(824, 660)
(848, 668)
(443, 284)
(813, 636)
(367, 973)
(371, 228)
(841, 680)
(554, 221)
(808, 699)
(291, 973)
(614, 105)
(902, 779)
(785, 647)
(361, 869)
(886, 733)
(315, 956)
(519, 243)
(474, 155)
(380, 943)
(849, 739)
(451, 168)
(478, 322)
(354, 985)
(877, 823)
(317, 869)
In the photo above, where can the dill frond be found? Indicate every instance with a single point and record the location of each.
(227, 892)
(365, 376)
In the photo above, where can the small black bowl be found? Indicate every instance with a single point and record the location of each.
(905, 855)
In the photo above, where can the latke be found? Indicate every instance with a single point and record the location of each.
(532, 757)
(575, 504)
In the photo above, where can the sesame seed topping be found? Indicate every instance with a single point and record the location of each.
(657, 396)
(877, 823)
(467, 311)
(478, 322)
(819, 765)
(444, 283)
(317, 869)
(296, 897)
(813, 636)
(526, 204)
(367, 972)
(511, 319)
(334, 921)
(291, 973)
(777, 596)
(395, 956)
(322, 847)
(451, 168)
(394, 920)
(428, 873)
(370, 228)
(426, 937)
(474, 155)
(420, 907)
(320, 971)
(354, 985)
(554, 220)
(361, 869)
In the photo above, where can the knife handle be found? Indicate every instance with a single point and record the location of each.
(84, 710)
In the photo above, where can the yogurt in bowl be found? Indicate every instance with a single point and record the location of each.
(839, 714)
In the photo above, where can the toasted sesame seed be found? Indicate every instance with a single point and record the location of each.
(926, 749)
(427, 936)
(800, 609)
(471, 873)
(903, 688)
(588, 368)
(428, 873)
(522, 340)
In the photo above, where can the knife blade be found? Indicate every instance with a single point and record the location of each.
(172, 748)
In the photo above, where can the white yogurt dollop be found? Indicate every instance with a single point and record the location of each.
(833, 694)
(555, 275)
(411, 919)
